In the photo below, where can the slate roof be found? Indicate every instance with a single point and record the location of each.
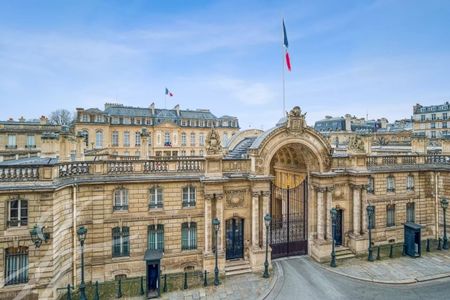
(30, 161)
(241, 149)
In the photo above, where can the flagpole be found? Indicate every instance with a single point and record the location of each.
(282, 65)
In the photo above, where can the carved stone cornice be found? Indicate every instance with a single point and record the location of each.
(357, 186)
(320, 189)
(330, 189)
(213, 196)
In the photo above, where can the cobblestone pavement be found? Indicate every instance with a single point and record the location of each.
(396, 270)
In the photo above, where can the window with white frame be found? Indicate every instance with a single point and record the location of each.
(115, 120)
(410, 212)
(192, 139)
(183, 152)
(126, 139)
(16, 265)
(155, 239)
(120, 199)
(192, 153)
(371, 185)
(120, 241)
(189, 196)
(17, 213)
(31, 142)
(138, 139)
(188, 236)
(183, 139)
(99, 139)
(390, 184)
(167, 141)
(12, 141)
(201, 139)
(156, 197)
(201, 153)
(115, 139)
(85, 118)
(410, 183)
(99, 118)
(126, 121)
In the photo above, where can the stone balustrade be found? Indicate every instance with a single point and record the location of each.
(407, 160)
(19, 173)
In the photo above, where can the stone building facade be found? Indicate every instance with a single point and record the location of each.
(167, 204)
(431, 121)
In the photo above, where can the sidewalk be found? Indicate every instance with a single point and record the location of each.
(405, 269)
(246, 286)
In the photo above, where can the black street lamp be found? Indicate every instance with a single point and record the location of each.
(267, 220)
(333, 212)
(370, 212)
(444, 205)
(81, 232)
(216, 224)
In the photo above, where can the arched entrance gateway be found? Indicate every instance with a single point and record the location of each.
(294, 156)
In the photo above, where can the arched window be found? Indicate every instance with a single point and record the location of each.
(98, 139)
(85, 135)
(189, 236)
(16, 265)
(189, 196)
(120, 199)
(120, 241)
(390, 184)
(410, 183)
(156, 197)
(17, 213)
(156, 237)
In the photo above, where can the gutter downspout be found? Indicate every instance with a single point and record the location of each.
(74, 234)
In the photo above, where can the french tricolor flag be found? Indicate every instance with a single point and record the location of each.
(286, 44)
(169, 93)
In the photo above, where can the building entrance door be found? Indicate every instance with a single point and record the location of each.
(235, 238)
(338, 233)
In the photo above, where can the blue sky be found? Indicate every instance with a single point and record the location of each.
(358, 57)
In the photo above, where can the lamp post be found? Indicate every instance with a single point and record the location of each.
(333, 212)
(267, 220)
(444, 205)
(81, 232)
(216, 224)
(370, 212)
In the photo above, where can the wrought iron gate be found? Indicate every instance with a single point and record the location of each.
(288, 229)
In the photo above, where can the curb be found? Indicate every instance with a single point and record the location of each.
(401, 281)
(275, 277)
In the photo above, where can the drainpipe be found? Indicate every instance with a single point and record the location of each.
(74, 234)
(436, 204)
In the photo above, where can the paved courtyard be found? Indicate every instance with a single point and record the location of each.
(397, 270)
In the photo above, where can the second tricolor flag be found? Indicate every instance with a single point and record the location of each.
(286, 44)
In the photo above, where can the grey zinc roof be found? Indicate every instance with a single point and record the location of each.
(30, 161)
(197, 114)
(128, 111)
(166, 113)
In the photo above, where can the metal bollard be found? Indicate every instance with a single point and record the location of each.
(185, 286)
(428, 245)
(439, 244)
(165, 284)
(69, 292)
(205, 280)
(404, 250)
(96, 293)
(119, 290)
(378, 253)
(142, 285)
(391, 251)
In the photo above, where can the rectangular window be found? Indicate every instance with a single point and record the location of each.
(120, 199)
(84, 118)
(115, 120)
(167, 141)
(156, 198)
(433, 134)
(126, 139)
(17, 213)
(410, 183)
(189, 236)
(126, 121)
(12, 141)
(444, 116)
(156, 237)
(410, 212)
(433, 116)
(99, 118)
(183, 139)
(192, 153)
(390, 184)
(371, 185)
(138, 139)
(422, 118)
(390, 215)
(188, 196)
(115, 139)
(120, 241)
(192, 139)
(31, 143)
(433, 125)
(99, 139)
(201, 139)
(16, 265)
(444, 124)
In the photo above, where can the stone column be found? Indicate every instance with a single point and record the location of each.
(255, 219)
(266, 201)
(320, 213)
(329, 235)
(356, 210)
(208, 223)
(364, 209)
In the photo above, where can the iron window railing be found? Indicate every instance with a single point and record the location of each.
(16, 265)
(120, 207)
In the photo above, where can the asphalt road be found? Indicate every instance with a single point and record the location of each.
(301, 278)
